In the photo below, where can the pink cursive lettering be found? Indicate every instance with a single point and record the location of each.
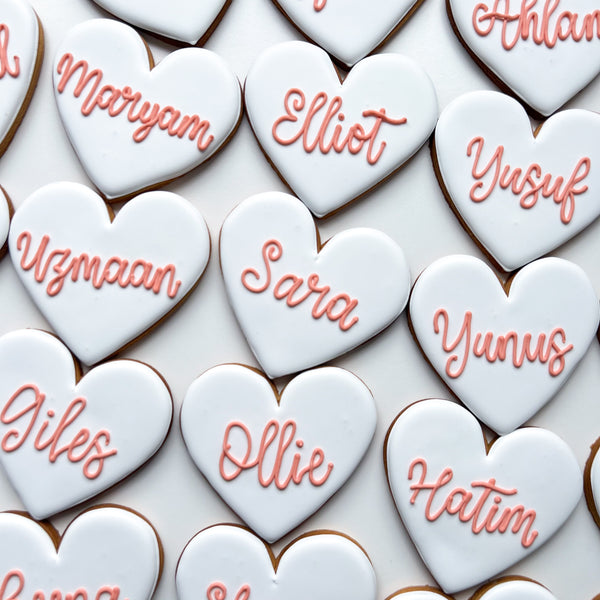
(92, 450)
(218, 591)
(286, 433)
(289, 284)
(114, 100)
(547, 349)
(5, 67)
(355, 138)
(117, 270)
(319, 5)
(481, 513)
(528, 183)
(544, 29)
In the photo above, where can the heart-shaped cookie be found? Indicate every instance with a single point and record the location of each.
(21, 52)
(473, 510)
(102, 283)
(513, 588)
(6, 211)
(348, 29)
(300, 303)
(545, 51)
(65, 439)
(503, 352)
(333, 141)
(275, 459)
(180, 20)
(106, 552)
(519, 194)
(226, 561)
(135, 126)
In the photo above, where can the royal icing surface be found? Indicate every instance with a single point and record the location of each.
(521, 196)
(101, 284)
(227, 562)
(504, 356)
(20, 41)
(276, 462)
(134, 127)
(63, 441)
(89, 563)
(518, 41)
(517, 589)
(473, 512)
(331, 142)
(347, 29)
(418, 593)
(4, 220)
(300, 305)
(184, 20)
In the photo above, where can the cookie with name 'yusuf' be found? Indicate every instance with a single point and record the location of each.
(134, 125)
(513, 588)
(472, 508)
(65, 438)
(332, 141)
(504, 349)
(519, 194)
(276, 457)
(228, 561)
(184, 21)
(102, 280)
(86, 562)
(21, 54)
(543, 51)
(348, 29)
(301, 303)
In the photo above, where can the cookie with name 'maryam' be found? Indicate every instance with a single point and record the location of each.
(473, 509)
(102, 281)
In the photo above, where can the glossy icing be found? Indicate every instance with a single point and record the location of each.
(483, 139)
(524, 488)
(503, 356)
(297, 307)
(249, 443)
(162, 238)
(133, 127)
(317, 566)
(518, 40)
(331, 142)
(516, 588)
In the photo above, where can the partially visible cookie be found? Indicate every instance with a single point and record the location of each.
(591, 483)
(6, 213)
(419, 593)
(513, 588)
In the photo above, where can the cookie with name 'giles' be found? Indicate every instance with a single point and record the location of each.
(102, 281)
(519, 194)
(503, 349)
(65, 438)
(301, 303)
(544, 51)
(227, 562)
(473, 509)
(513, 588)
(348, 29)
(332, 141)
(180, 20)
(133, 125)
(86, 562)
(275, 458)
(21, 53)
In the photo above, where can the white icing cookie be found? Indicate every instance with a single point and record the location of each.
(521, 195)
(134, 126)
(543, 50)
(21, 52)
(182, 20)
(333, 141)
(226, 562)
(65, 439)
(276, 459)
(101, 284)
(473, 510)
(592, 482)
(419, 593)
(504, 356)
(514, 589)
(5, 214)
(301, 303)
(348, 29)
(106, 552)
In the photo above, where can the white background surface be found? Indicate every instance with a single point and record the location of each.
(410, 207)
